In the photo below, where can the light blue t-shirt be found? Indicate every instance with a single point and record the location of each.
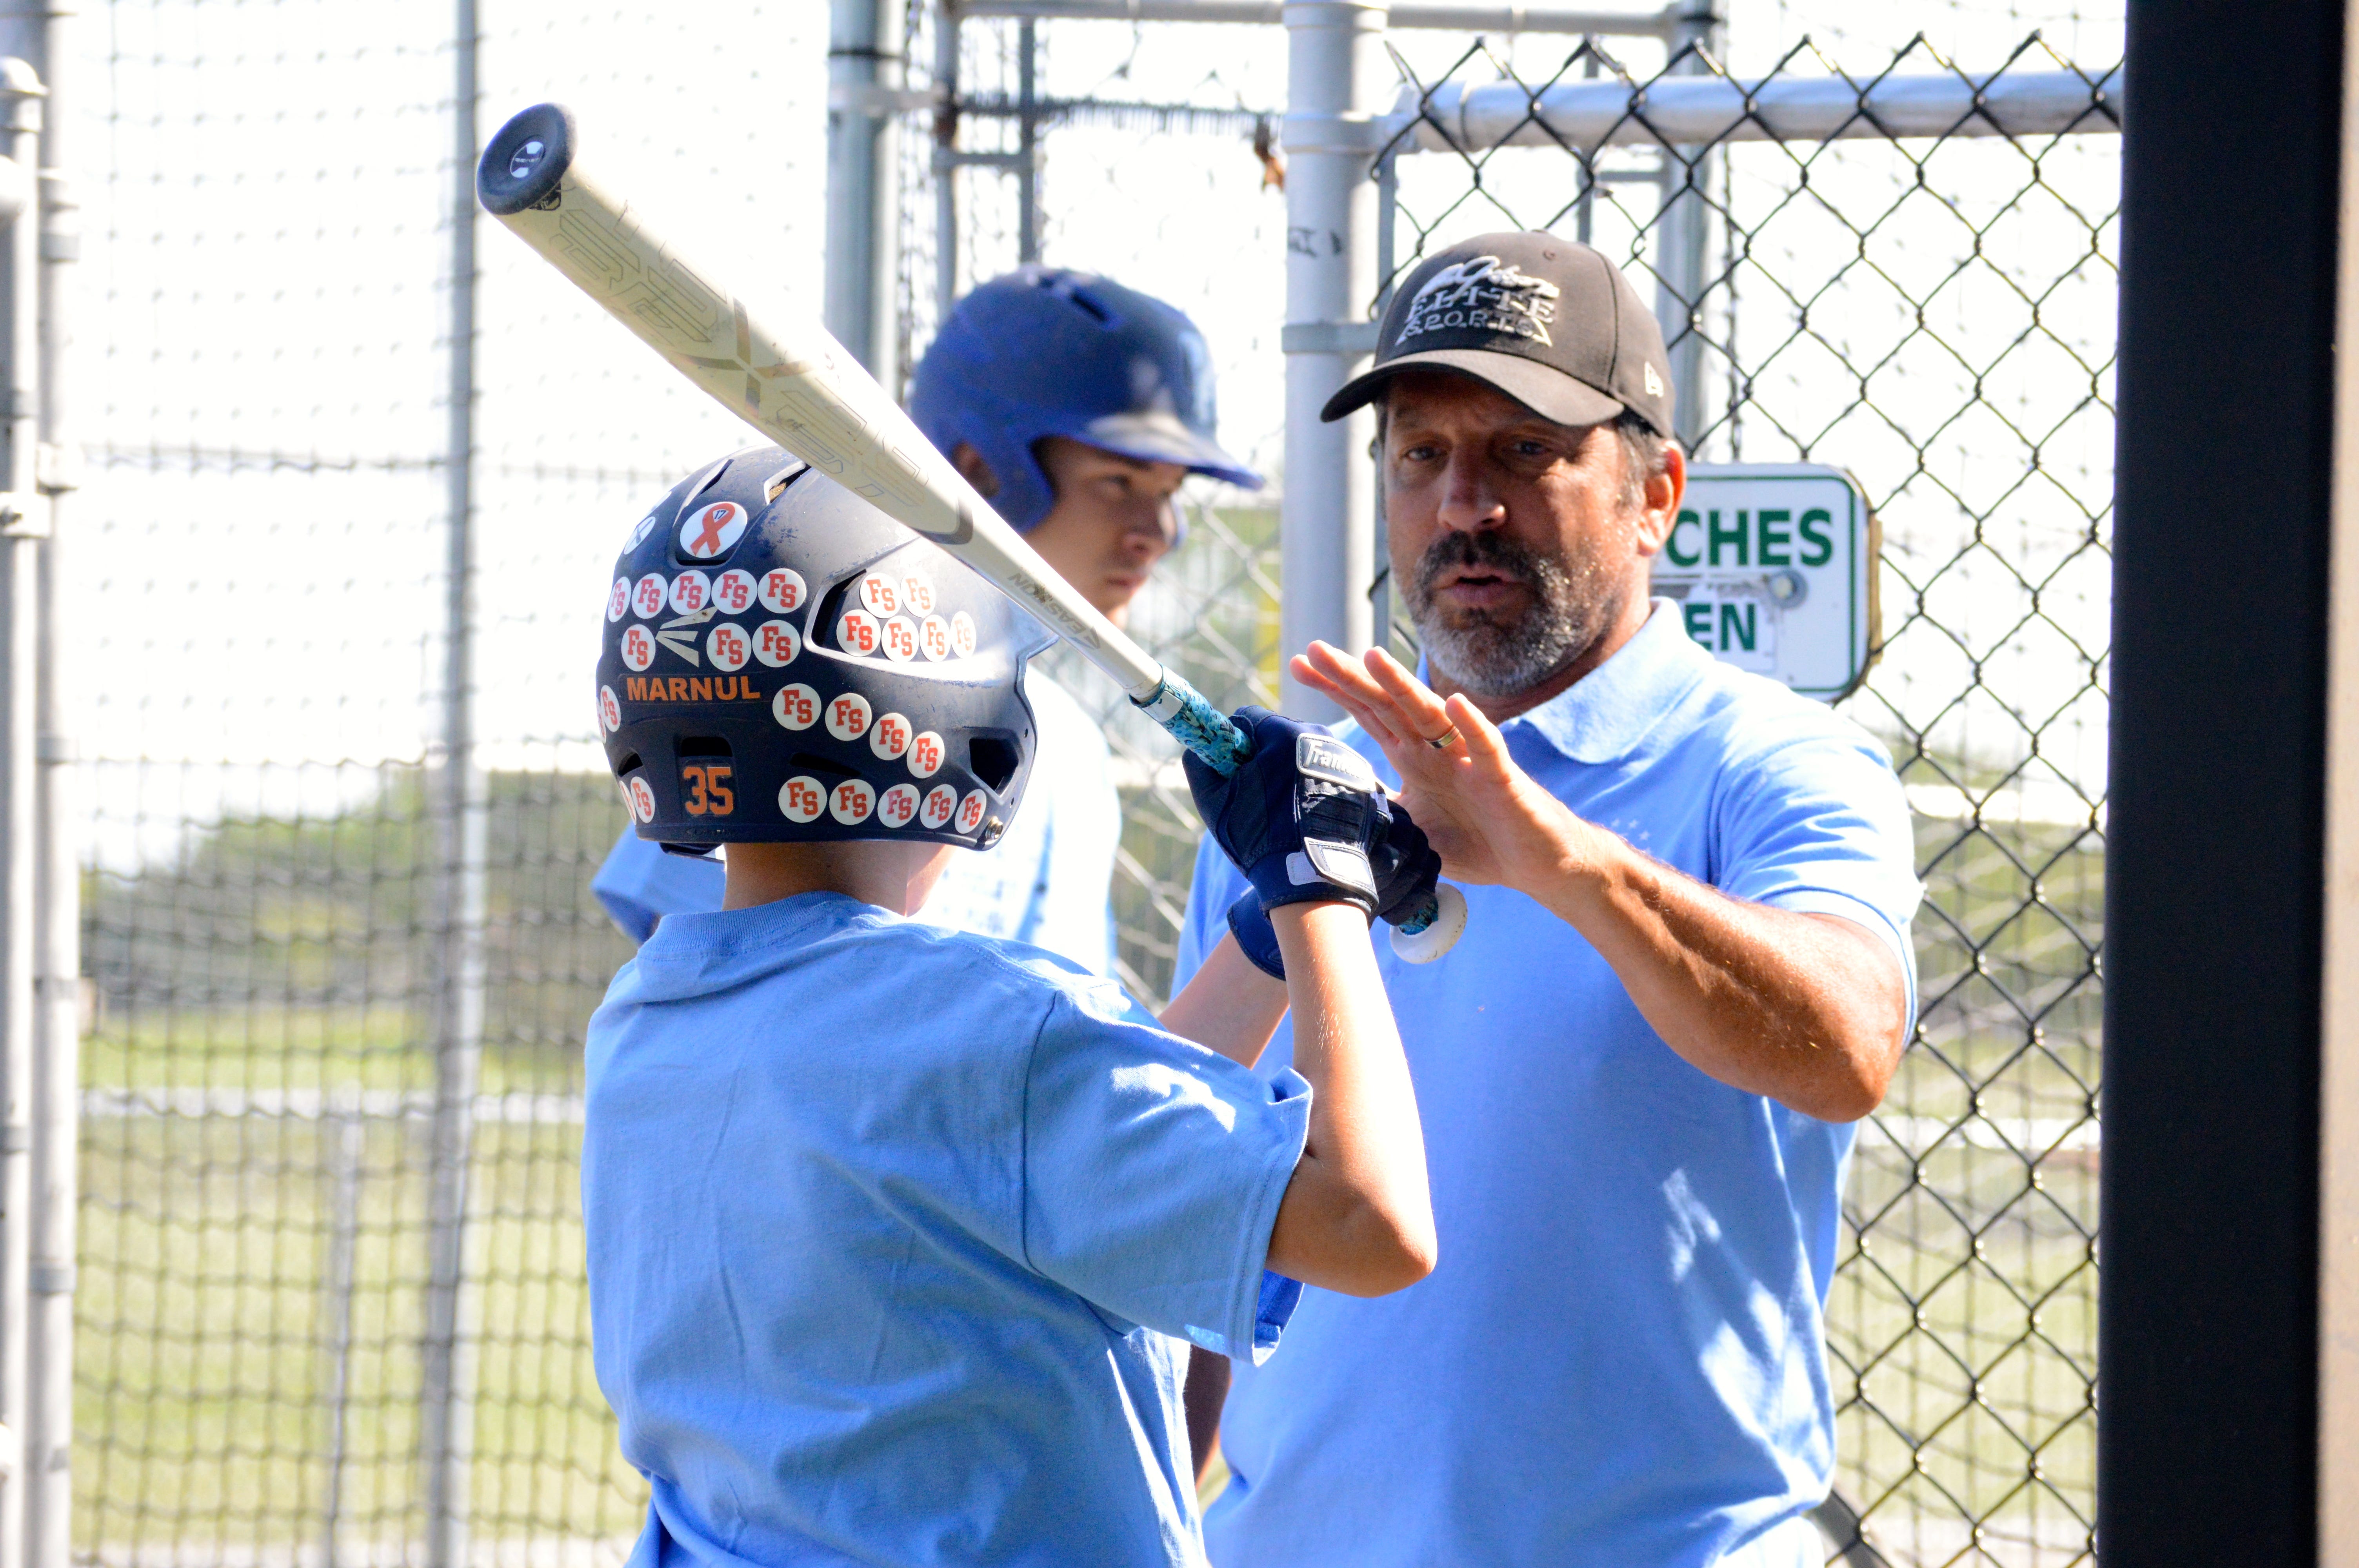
(1044, 883)
(887, 1228)
(1619, 1361)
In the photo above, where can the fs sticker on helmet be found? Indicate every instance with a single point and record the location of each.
(618, 599)
(733, 590)
(852, 802)
(712, 531)
(926, 754)
(879, 594)
(801, 799)
(610, 710)
(889, 735)
(691, 592)
(649, 597)
(782, 589)
(897, 807)
(729, 646)
(918, 594)
(934, 637)
(776, 643)
(796, 707)
(900, 639)
(847, 717)
(941, 805)
(638, 647)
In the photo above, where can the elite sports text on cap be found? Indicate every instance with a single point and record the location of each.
(1549, 322)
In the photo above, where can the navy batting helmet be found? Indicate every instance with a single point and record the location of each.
(1043, 351)
(782, 661)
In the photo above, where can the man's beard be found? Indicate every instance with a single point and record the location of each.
(1500, 653)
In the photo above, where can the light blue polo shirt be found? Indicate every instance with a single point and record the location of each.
(888, 1230)
(1619, 1361)
(1045, 882)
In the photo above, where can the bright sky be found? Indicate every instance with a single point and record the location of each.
(264, 319)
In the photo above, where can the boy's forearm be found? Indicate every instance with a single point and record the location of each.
(1228, 1006)
(1357, 1217)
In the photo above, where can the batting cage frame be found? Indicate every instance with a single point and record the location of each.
(329, 939)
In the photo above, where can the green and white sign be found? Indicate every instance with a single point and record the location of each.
(1774, 569)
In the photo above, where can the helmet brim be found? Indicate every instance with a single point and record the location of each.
(1157, 438)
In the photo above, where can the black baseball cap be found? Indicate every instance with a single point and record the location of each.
(1549, 322)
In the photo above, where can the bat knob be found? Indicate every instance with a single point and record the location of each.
(525, 160)
(1431, 941)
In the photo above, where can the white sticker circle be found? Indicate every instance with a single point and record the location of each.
(610, 710)
(733, 590)
(782, 589)
(934, 637)
(712, 530)
(848, 716)
(618, 599)
(889, 737)
(646, 526)
(852, 802)
(638, 647)
(857, 632)
(729, 646)
(900, 635)
(802, 798)
(918, 594)
(897, 807)
(941, 803)
(647, 596)
(775, 645)
(879, 594)
(963, 634)
(691, 592)
(796, 707)
(643, 799)
(971, 810)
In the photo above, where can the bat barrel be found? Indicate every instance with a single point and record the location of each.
(526, 160)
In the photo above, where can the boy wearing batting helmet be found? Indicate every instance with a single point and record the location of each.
(1077, 407)
(897, 1236)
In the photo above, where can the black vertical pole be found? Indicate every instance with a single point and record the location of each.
(2208, 1404)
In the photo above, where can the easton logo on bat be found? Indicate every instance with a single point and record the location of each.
(690, 689)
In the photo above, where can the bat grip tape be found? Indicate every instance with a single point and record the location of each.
(1196, 724)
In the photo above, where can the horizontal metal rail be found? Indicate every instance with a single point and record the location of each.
(1702, 110)
(1443, 17)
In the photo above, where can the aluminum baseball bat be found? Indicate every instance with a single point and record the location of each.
(795, 385)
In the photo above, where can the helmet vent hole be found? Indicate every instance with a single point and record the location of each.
(703, 746)
(825, 767)
(992, 760)
(629, 764)
(776, 486)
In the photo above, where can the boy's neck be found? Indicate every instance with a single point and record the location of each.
(895, 876)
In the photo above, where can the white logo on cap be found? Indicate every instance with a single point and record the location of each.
(1482, 295)
(1654, 383)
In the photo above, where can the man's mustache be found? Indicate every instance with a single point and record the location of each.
(1483, 549)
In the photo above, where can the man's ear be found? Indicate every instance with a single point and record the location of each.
(975, 471)
(1659, 512)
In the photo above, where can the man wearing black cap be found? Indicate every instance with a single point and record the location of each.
(1686, 971)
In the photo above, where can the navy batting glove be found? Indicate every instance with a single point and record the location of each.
(1257, 937)
(1297, 816)
(1406, 868)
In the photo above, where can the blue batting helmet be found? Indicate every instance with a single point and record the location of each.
(1044, 351)
(781, 661)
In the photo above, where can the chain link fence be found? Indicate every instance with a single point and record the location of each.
(1934, 313)
(261, 546)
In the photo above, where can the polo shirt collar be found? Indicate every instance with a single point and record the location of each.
(1606, 713)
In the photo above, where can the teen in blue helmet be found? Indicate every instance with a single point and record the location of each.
(1077, 407)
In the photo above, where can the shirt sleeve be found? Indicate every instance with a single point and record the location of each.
(1821, 826)
(638, 885)
(1153, 1171)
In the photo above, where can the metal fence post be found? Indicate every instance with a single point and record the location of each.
(1685, 239)
(48, 1436)
(447, 1384)
(945, 159)
(23, 524)
(864, 209)
(1335, 78)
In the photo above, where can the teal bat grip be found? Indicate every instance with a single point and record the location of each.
(1204, 730)
(1196, 724)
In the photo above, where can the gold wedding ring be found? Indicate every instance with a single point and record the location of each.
(1444, 742)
